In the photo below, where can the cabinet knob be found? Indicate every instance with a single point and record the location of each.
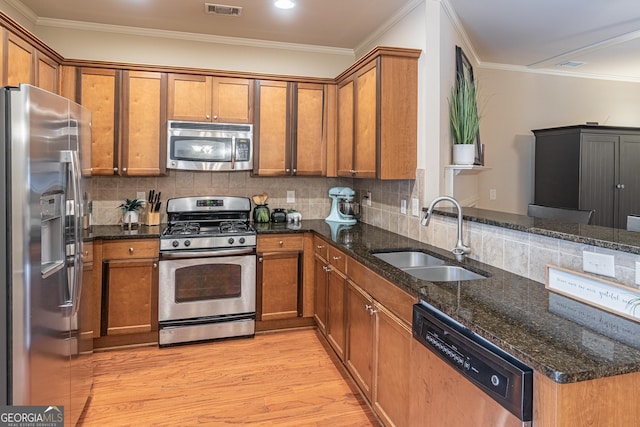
(352, 171)
(215, 117)
(287, 170)
(124, 170)
(130, 250)
(620, 186)
(260, 259)
(335, 258)
(86, 253)
(320, 246)
(281, 243)
(207, 117)
(326, 268)
(115, 170)
(155, 265)
(295, 171)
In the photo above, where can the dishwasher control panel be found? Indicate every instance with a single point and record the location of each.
(500, 375)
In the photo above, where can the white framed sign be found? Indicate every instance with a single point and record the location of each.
(608, 295)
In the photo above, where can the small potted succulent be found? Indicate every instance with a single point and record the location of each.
(130, 209)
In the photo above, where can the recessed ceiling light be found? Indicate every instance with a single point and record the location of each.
(284, 4)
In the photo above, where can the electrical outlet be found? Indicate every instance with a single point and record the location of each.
(415, 207)
(141, 195)
(403, 207)
(368, 200)
(602, 264)
(492, 194)
(291, 196)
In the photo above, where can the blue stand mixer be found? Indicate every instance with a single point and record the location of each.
(343, 209)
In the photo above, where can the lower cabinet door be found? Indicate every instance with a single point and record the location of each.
(336, 316)
(279, 285)
(391, 370)
(131, 293)
(360, 337)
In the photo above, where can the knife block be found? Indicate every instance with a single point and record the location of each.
(151, 218)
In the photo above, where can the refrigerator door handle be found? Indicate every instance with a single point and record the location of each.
(71, 157)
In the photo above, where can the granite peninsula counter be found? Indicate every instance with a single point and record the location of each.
(513, 312)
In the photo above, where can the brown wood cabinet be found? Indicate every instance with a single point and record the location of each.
(20, 57)
(47, 73)
(279, 292)
(360, 337)
(377, 116)
(128, 120)
(290, 129)
(129, 306)
(210, 99)
(144, 133)
(336, 301)
(321, 277)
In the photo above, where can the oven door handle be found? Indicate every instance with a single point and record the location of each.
(206, 254)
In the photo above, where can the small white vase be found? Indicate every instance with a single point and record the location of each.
(130, 217)
(464, 154)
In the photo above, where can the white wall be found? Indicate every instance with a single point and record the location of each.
(517, 102)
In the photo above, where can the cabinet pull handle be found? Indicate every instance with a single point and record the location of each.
(320, 246)
(368, 306)
(130, 250)
(326, 268)
(335, 258)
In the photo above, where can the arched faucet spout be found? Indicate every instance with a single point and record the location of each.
(461, 249)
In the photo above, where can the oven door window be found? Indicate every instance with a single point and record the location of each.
(207, 282)
(212, 149)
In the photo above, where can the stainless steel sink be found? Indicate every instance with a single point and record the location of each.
(427, 267)
(409, 259)
(444, 273)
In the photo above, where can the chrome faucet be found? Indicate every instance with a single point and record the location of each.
(460, 250)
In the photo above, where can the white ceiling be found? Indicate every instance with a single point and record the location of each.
(605, 34)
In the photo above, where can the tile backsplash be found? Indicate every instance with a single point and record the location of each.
(311, 193)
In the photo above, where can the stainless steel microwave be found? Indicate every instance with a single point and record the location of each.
(204, 146)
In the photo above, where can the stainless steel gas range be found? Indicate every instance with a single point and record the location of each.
(207, 270)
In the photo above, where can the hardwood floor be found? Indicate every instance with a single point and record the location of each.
(276, 379)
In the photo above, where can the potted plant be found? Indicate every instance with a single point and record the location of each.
(130, 209)
(464, 120)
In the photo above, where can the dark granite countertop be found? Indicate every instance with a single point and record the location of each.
(113, 232)
(563, 339)
(604, 237)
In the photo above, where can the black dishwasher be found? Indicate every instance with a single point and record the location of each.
(498, 374)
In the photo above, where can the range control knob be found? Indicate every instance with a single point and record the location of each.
(242, 240)
(231, 240)
(187, 242)
(175, 243)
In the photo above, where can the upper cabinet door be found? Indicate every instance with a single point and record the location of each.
(232, 100)
(189, 97)
(366, 122)
(210, 99)
(144, 118)
(20, 61)
(99, 92)
(310, 130)
(344, 155)
(271, 136)
(46, 73)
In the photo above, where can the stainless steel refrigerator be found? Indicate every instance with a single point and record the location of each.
(45, 142)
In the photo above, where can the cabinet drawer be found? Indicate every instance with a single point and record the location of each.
(337, 259)
(280, 242)
(131, 248)
(320, 247)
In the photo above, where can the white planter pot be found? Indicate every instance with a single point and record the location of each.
(130, 217)
(464, 154)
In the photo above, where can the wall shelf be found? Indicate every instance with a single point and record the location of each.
(451, 171)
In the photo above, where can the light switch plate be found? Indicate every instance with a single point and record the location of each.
(291, 196)
(602, 264)
(403, 207)
(141, 195)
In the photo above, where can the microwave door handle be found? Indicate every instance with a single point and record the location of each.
(233, 152)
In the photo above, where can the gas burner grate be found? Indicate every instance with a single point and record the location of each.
(235, 227)
(184, 228)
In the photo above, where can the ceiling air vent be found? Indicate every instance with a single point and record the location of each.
(222, 9)
(571, 64)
